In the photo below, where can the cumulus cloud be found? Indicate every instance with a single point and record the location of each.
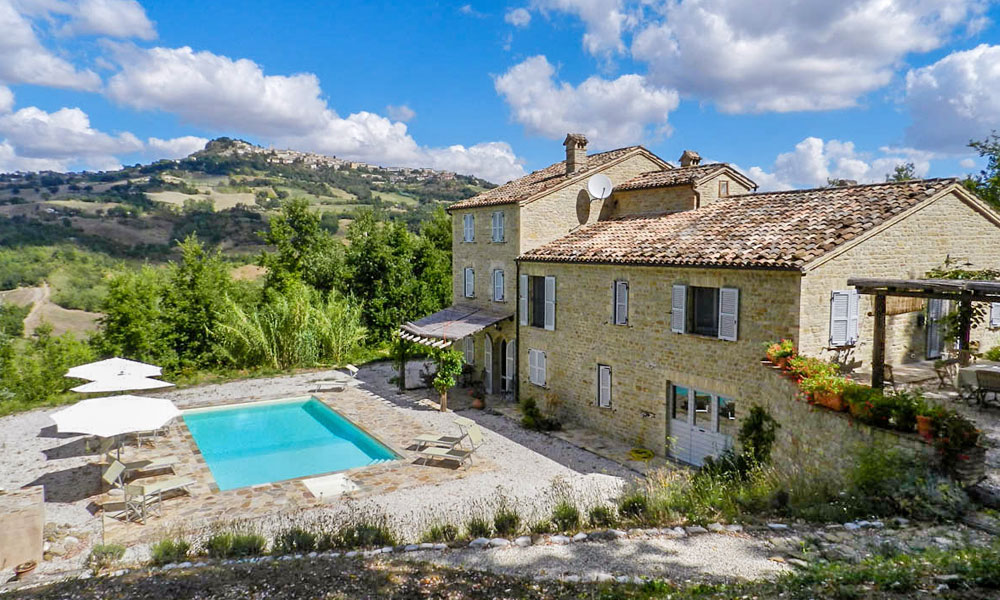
(112, 18)
(400, 113)
(814, 161)
(23, 59)
(967, 163)
(219, 93)
(786, 55)
(955, 99)
(518, 17)
(178, 147)
(614, 112)
(6, 100)
(604, 21)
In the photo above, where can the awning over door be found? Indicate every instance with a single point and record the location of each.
(440, 329)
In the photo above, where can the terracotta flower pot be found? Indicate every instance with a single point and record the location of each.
(925, 426)
(22, 570)
(831, 400)
(478, 403)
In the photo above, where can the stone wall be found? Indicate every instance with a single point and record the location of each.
(22, 517)
(651, 201)
(484, 255)
(645, 355)
(708, 190)
(566, 209)
(946, 227)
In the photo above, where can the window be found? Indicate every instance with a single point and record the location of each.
(679, 409)
(710, 413)
(498, 226)
(469, 228)
(723, 188)
(536, 367)
(702, 409)
(541, 301)
(604, 386)
(470, 282)
(705, 311)
(497, 285)
(727, 417)
(620, 303)
(994, 315)
(470, 350)
(843, 318)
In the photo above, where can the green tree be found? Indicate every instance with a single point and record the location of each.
(902, 172)
(133, 325)
(449, 368)
(303, 249)
(987, 184)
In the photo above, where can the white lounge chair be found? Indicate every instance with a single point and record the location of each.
(460, 455)
(153, 464)
(444, 440)
(142, 499)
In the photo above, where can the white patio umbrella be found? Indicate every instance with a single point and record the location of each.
(113, 367)
(121, 383)
(111, 416)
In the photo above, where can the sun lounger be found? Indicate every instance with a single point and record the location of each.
(444, 440)
(329, 386)
(153, 464)
(459, 455)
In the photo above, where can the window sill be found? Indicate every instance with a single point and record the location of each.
(542, 386)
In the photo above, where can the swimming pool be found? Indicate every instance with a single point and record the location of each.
(272, 441)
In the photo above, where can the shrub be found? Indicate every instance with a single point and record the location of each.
(169, 551)
(102, 556)
(294, 541)
(506, 521)
(478, 527)
(992, 354)
(885, 481)
(370, 534)
(219, 545)
(444, 532)
(532, 417)
(601, 516)
(247, 544)
(634, 505)
(565, 516)
(539, 527)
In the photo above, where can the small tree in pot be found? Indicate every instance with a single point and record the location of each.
(449, 368)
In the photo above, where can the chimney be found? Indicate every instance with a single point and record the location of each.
(690, 158)
(576, 152)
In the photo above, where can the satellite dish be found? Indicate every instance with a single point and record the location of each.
(599, 187)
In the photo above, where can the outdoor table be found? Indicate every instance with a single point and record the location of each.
(967, 382)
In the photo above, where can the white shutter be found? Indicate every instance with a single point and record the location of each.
(994, 315)
(511, 356)
(541, 367)
(488, 364)
(840, 305)
(470, 350)
(498, 226)
(522, 299)
(470, 282)
(532, 366)
(604, 386)
(852, 317)
(497, 285)
(678, 309)
(469, 233)
(550, 303)
(536, 367)
(621, 303)
(729, 313)
(501, 218)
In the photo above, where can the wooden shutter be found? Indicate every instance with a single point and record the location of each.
(621, 303)
(511, 359)
(470, 350)
(541, 367)
(488, 364)
(678, 308)
(729, 313)
(852, 317)
(501, 218)
(550, 303)
(470, 282)
(522, 299)
(994, 315)
(604, 386)
(468, 233)
(840, 305)
(536, 367)
(497, 285)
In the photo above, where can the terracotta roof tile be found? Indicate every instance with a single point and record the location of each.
(768, 230)
(538, 181)
(678, 176)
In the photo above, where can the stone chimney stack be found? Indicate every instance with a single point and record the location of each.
(690, 158)
(576, 152)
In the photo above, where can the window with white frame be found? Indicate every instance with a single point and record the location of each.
(604, 386)
(708, 311)
(469, 228)
(470, 350)
(723, 188)
(843, 318)
(470, 282)
(537, 301)
(498, 285)
(620, 303)
(498, 226)
(994, 315)
(536, 367)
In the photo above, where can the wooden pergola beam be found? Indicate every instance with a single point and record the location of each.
(878, 345)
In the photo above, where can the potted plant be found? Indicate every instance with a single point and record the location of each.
(826, 389)
(779, 353)
(804, 367)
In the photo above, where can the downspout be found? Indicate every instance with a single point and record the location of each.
(517, 329)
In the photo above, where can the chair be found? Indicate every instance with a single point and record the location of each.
(154, 464)
(460, 455)
(444, 440)
(945, 369)
(987, 384)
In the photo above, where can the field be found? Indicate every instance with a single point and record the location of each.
(45, 311)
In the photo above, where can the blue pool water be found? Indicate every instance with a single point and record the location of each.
(246, 445)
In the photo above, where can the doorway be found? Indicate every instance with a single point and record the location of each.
(701, 424)
(936, 310)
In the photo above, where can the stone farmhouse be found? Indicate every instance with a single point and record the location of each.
(645, 315)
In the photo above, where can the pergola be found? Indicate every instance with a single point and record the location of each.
(962, 292)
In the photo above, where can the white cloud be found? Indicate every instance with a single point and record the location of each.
(178, 147)
(111, 18)
(466, 9)
(967, 163)
(6, 100)
(400, 113)
(604, 20)
(222, 94)
(615, 112)
(518, 17)
(814, 161)
(23, 59)
(787, 55)
(955, 100)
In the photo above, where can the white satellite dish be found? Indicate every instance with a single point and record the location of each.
(599, 187)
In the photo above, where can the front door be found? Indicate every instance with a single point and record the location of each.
(701, 424)
(488, 364)
(935, 335)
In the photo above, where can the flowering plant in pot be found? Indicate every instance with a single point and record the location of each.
(804, 367)
(826, 389)
(781, 352)
(926, 419)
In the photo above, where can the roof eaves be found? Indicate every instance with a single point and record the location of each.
(582, 175)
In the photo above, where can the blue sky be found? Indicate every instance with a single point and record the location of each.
(792, 92)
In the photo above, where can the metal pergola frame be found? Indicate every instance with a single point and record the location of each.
(963, 292)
